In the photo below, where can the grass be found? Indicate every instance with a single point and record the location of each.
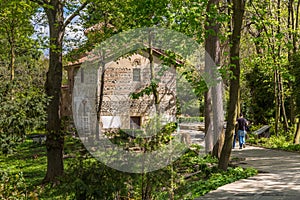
(30, 158)
(86, 178)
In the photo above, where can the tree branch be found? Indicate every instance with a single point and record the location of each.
(74, 14)
(40, 2)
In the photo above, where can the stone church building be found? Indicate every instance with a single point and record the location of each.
(122, 78)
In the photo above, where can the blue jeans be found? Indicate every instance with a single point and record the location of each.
(241, 135)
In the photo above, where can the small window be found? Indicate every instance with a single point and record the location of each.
(84, 108)
(135, 122)
(136, 74)
(86, 124)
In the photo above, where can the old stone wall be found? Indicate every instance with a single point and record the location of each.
(122, 77)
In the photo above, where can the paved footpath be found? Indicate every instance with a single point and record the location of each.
(278, 177)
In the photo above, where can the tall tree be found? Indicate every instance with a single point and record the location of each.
(15, 29)
(57, 24)
(238, 7)
(293, 57)
(214, 115)
(296, 72)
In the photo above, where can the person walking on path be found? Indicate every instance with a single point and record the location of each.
(241, 133)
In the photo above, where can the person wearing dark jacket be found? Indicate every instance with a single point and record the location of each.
(241, 133)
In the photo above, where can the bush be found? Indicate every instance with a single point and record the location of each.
(292, 147)
(86, 178)
(20, 112)
(90, 179)
(13, 186)
(283, 141)
(9, 142)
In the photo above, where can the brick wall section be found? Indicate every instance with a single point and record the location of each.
(119, 84)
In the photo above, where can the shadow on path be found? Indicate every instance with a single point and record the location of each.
(278, 177)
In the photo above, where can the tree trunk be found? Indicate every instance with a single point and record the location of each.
(295, 49)
(237, 19)
(214, 114)
(219, 145)
(293, 24)
(209, 45)
(277, 107)
(297, 133)
(295, 35)
(290, 25)
(55, 138)
(218, 117)
(208, 122)
(12, 43)
(12, 61)
(286, 125)
(101, 94)
(280, 85)
(154, 85)
(277, 91)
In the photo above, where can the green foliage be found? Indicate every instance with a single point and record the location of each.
(21, 111)
(292, 147)
(283, 141)
(276, 142)
(296, 73)
(12, 186)
(16, 29)
(86, 178)
(22, 171)
(190, 89)
(259, 102)
(9, 143)
(217, 179)
(153, 135)
(190, 119)
(22, 101)
(161, 136)
(207, 175)
(267, 46)
(89, 179)
(147, 90)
